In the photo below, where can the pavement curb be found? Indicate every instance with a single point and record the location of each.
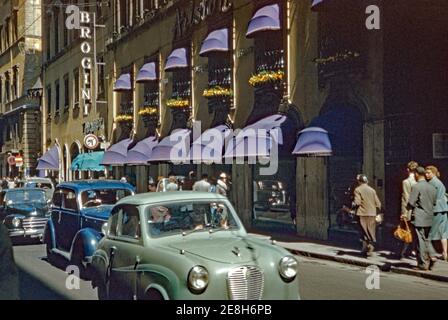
(386, 267)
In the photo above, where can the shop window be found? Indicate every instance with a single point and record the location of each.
(49, 100)
(57, 96)
(76, 87)
(56, 31)
(15, 83)
(341, 50)
(101, 79)
(7, 87)
(127, 97)
(66, 92)
(274, 197)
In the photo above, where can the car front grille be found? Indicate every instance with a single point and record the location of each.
(245, 283)
(34, 223)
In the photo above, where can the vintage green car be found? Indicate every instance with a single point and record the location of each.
(188, 246)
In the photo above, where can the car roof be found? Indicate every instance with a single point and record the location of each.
(23, 189)
(157, 197)
(95, 184)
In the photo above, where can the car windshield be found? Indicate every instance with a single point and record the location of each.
(24, 196)
(98, 197)
(171, 219)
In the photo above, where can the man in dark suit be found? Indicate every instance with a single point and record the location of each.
(9, 282)
(422, 200)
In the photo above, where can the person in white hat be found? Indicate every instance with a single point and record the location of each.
(222, 187)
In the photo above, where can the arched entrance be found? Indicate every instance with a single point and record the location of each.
(344, 123)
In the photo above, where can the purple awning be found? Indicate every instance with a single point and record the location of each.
(50, 160)
(208, 148)
(313, 141)
(265, 19)
(141, 153)
(147, 73)
(116, 154)
(173, 148)
(316, 2)
(177, 59)
(216, 41)
(123, 83)
(258, 139)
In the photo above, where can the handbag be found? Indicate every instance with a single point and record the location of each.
(403, 234)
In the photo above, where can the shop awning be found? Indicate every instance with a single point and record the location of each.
(50, 160)
(208, 148)
(265, 19)
(116, 155)
(313, 141)
(258, 139)
(216, 41)
(141, 153)
(177, 59)
(147, 73)
(88, 162)
(173, 148)
(344, 125)
(123, 83)
(316, 3)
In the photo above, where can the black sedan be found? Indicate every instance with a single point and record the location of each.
(24, 212)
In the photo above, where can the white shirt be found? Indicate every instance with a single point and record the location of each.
(202, 186)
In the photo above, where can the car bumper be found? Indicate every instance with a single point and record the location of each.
(26, 233)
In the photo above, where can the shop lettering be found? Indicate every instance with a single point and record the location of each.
(93, 126)
(197, 13)
(80, 20)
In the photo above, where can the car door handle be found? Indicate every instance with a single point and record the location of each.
(137, 262)
(59, 217)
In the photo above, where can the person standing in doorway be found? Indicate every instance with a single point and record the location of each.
(422, 201)
(439, 229)
(405, 213)
(367, 204)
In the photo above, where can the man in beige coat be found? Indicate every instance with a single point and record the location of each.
(367, 205)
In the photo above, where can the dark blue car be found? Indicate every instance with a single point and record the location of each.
(78, 212)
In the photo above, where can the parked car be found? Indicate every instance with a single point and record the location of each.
(270, 195)
(78, 211)
(38, 183)
(187, 245)
(24, 212)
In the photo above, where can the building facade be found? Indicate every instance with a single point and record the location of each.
(333, 73)
(20, 67)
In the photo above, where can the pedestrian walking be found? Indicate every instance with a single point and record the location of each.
(439, 228)
(422, 200)
(405, 213)
(213, 185)
(190, 181)
(367, 205)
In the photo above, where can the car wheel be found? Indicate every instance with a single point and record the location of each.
(102, 290)
(154, 295)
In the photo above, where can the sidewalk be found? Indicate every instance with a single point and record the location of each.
(382, 259)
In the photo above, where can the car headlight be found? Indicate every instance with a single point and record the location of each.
(198, 279)
(288, 268)
(15, 222)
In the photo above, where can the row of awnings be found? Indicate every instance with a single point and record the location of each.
(265, 19)
(216, 145)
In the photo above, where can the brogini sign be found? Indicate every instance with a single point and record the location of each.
(81, 20)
